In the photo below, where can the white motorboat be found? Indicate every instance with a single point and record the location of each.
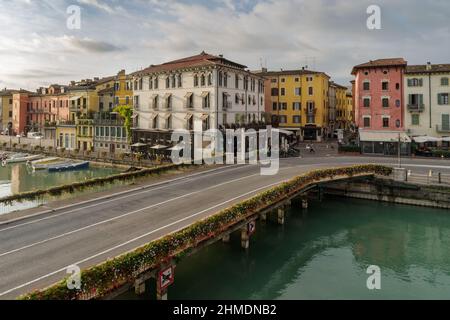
(22, 158)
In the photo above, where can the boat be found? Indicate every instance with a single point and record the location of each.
(44, 164)
(68, 166)
(18, 158)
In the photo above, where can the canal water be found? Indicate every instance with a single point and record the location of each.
(18, 178)
(324, 253)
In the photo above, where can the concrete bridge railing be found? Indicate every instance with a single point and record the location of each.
(151, 259)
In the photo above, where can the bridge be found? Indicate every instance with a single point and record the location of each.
(35, 251)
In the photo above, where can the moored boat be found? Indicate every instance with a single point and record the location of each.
(22, 158)
(69, 166)
(44, 164)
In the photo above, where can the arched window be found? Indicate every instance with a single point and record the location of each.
(167, 82)
(220, 78)
(225, 79)
(174, 83)
(210, 79)
(195, 80)
(180, 81)
(203, 80)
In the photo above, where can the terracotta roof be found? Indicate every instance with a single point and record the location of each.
(423, 68)
(390, 62)
(203, 59)
(106, 90)
(9, 92)
(338, 85)
(289, 73)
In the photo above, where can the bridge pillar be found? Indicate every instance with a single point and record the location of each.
(264, 216)
(226, 238)
(304, 203)
(245, 238)
(161, 295)
(139, 286)
(281, 214)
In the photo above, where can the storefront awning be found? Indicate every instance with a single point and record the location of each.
(423, 139)
(380, 136)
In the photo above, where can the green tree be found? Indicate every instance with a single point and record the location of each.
(126, 112)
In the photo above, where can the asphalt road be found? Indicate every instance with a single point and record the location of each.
(35, 252)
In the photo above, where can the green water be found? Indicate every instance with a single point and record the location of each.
(324, 253)
(18, 178)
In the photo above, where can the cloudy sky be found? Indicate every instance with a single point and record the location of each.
(37, 48)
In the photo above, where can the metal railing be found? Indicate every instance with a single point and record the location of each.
(416, 107)
(431, 178)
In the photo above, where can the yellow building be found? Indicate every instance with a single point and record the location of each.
(341, 106)
(349, 111)
(298, 101)
(66, 135)
(6, 107)
(123, 91)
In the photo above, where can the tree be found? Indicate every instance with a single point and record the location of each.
(126, 112)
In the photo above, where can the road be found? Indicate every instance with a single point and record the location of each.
(35, 252)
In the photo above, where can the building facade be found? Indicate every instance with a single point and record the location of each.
(196, 93)
(427, 100)
(110, 134)
(6, 109)
(299, 102)
(379, 93)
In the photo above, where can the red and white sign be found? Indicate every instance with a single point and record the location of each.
(251, 228)
(166, 277)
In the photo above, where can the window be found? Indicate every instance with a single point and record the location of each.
(225, 80)
(366, 122)
(385, 122)
(415, 82)
(444, 81)
(195, 80)
(273, 80)
(274, 92)
(236, 81)
(150, 83)
(310, 91)
(283, 80)
(445, 122)
(220, 78)
(385, 102)
(202, 80)
(274, 106)
(298, 91)
(297, 79)
(366, 85)
(174, 81)
(296, 119)
(167, 83)
(210, 79)
(415, 99)
(283, 91)
(397, 86)
(156, 84)
(397, 103)
(385, 85)
(206, 102)
(415, 119)
(283, 106)
(180, 81)
(296, 106)
(283, 119)
(237, 98)
(443, 99)
(366, 102)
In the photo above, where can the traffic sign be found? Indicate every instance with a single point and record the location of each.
(251, 227)
(166, 277)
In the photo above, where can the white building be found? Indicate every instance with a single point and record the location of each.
(195, 93)
(427, 109)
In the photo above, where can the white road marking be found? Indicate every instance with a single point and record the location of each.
(137, 238)
(130, 193)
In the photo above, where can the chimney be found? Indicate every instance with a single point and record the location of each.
(428, 66)
(221, 55)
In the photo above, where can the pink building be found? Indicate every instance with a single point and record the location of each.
(40, 111)
(378, 95)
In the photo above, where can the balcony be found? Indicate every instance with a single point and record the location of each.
(416, 107)
(443, 129)
(311, 112)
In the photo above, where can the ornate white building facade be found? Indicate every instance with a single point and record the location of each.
(196, 93)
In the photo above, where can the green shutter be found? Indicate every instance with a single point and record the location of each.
(445, 122)
(420, 99)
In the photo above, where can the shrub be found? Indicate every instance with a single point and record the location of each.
(441, 153)
(349, 148)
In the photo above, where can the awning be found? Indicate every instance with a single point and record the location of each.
(153, 116)
(138, 145)
(167, 95)
(423, 139)
(188, 95)
(75, 98)
(188, 116)
(165, 115)
(286, 132)
(158, 147)
(205, 94)
(154, 96)
(203, 117)
(176, 148)
(380, 136)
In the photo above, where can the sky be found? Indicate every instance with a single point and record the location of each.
(38, 49)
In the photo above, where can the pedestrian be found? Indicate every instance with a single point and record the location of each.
(311, 150)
